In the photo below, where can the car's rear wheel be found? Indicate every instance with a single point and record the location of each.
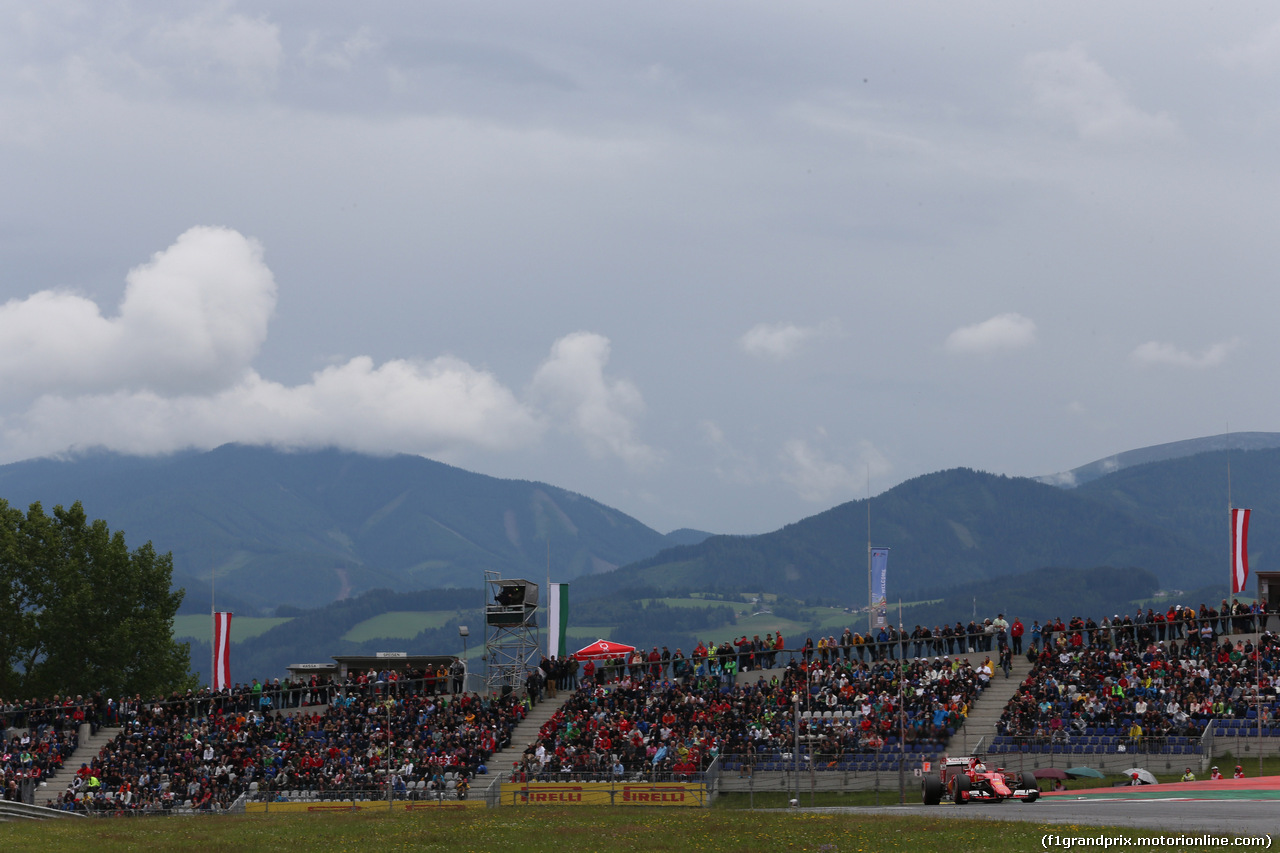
(931, 790)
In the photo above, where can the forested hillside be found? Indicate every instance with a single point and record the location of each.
(289, 533)
(1235, 442)
(310, 528)
(941, 528)
(1039, 594)
(1189, 495)
(314, 636)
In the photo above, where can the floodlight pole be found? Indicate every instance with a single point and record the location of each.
(464, 632)
(796, 761)
(391, 791)
(902, 711)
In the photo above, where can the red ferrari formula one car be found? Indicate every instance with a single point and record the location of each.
(965, 780)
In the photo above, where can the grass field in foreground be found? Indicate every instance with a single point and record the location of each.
(534, 829)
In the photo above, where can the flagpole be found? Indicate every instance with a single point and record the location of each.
(1230, 520)
(902, 713)
(870, 603)
(1257, 685)
(213, 610)
(548, 596)
(1257, 646)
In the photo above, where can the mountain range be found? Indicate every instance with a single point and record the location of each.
(942, 529)
(1167, 516)
(1160, 452)
(308, 528)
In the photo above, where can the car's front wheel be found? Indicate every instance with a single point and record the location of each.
(1029, 783)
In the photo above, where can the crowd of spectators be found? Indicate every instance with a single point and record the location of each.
(863, 699)
(1149, 674)
(671, 718)
(202, 750)
(44, 736)
(1143, 678)
(642, 724)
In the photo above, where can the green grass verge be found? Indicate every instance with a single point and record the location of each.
(775, 799)
(536, 829)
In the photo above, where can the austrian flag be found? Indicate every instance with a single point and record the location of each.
(221, 650)
(1239, 550)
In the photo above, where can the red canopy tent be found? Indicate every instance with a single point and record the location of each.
(602, 649)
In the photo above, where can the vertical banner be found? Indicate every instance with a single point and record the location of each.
(557, 619)
(1239, 550)
(879, 585)
(221, 650)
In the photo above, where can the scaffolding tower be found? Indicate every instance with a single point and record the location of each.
(511, 642)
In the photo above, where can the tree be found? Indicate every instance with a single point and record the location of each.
(17, 617)
(80, 612)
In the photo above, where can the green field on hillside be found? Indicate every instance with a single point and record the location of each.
(398, 625)
(199, 626)
(595, 632)
(702, 603)
(767, 623)
(534, 829)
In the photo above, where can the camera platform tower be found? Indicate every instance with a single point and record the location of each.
(511, 642)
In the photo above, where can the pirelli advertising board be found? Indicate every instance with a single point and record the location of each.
(363, 805)
(604, 794)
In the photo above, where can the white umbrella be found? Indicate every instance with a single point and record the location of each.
(1144, 776)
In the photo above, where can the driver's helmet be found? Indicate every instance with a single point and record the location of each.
(980, 767)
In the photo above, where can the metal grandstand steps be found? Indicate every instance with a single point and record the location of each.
(980, 724)
(88, 749)
(523, 735)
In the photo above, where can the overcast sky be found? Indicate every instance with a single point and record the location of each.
(718, 265)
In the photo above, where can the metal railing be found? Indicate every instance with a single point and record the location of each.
(361, 798)
(1074, 744)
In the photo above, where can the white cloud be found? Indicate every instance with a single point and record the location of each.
(343, 55)
(1158, 353)
(173, 370)
(780, 341)
(216, 45)
(193, 318)
(1259, 53)
(572, 386)
(441, 407)
(1068, 85)
(815, 477)
(729, 463)
(1001, 332)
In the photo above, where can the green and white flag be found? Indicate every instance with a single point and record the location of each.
(557, 619)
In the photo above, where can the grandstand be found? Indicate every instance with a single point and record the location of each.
(825, 716)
